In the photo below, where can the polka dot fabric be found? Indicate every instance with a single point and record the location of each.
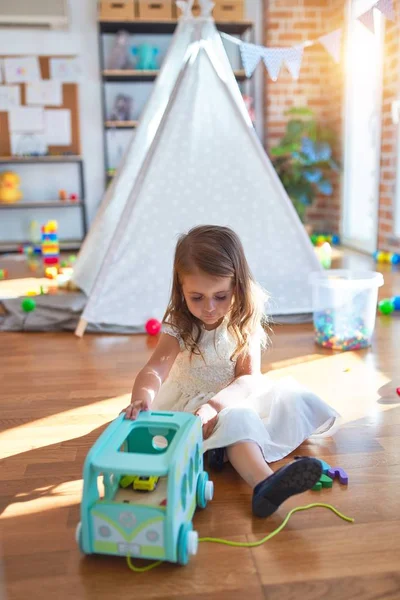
(206, 168)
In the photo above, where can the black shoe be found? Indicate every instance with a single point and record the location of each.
(294, 478)
(216, 458)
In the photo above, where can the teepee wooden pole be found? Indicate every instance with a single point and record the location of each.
(81, 328)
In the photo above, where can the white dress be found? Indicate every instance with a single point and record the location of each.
(278, 417)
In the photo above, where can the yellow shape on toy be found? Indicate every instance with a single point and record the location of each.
(50, 227)
(9, 187)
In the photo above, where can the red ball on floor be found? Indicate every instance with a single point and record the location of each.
(398, 391)
(153, 327)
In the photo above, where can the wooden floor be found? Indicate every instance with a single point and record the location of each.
(57, 394)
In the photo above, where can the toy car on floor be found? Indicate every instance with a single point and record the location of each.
(162, 453)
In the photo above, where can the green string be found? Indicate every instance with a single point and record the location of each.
(249, 544)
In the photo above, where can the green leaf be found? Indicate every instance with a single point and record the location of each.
(303, 111)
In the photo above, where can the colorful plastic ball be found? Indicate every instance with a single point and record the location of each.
(395, 259)
(386, 306)
(153, 327)
(313, 239)
(396, 302)
(28, 305)
(335, 239)
(398, 391)
(3, 274)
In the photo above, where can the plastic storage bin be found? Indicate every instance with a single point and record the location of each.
(344, 307)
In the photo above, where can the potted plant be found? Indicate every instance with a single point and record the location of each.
(303, 159)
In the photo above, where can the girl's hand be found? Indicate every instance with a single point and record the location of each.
(209, 418)
(135, 407)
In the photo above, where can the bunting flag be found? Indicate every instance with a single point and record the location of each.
(332, 42)
(367, 19)
(386, 8)
(273, 60)
(292, 59)
(251, 56)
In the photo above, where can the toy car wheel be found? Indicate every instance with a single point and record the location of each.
(78, 536)
(193, 542)
(185, 543)
(205, 490)
(209, 491)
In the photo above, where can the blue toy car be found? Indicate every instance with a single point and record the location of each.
(166, 446)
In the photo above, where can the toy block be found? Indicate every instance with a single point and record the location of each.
(324, 482)
(339, 473)
(325, 466)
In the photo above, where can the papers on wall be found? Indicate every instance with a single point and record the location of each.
(58, 127)
(44, 93)
(28, 143)
(26, 120)
(21, 70)
(10, 96)
(65, 69)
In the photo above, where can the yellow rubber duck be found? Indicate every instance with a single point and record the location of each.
(9, 187)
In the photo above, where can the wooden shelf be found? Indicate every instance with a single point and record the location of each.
(129, 75)
(121, 124)
(167, 26)
(138, 75)
(28, 205)
(40, 159)
(65, 245)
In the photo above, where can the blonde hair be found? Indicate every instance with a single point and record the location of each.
(216, 251)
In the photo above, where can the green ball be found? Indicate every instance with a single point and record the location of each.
(28, 305)
(386, 306)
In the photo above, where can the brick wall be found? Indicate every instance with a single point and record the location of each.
(391, 87)
(320, 85)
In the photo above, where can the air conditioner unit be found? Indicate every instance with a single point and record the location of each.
(48, 14)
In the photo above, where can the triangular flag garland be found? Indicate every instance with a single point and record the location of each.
(332, 42)
(386, 8)
(367, 19)
(251, 56)
(292, 57)
(273, 60)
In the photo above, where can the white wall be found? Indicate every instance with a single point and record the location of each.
(80, 39)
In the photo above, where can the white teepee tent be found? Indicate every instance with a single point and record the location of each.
(195, 159)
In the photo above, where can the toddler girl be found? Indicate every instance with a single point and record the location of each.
(208, 361)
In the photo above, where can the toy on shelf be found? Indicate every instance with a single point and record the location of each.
(391, 258)
(119, 56)
(3, 274)
(62, 195)
(122, 109)
(153, 327)
(317, 239)
(9, 187)
(162, 447)
(73, 197)
(50, 245)
(389, 305)
(145, 55)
